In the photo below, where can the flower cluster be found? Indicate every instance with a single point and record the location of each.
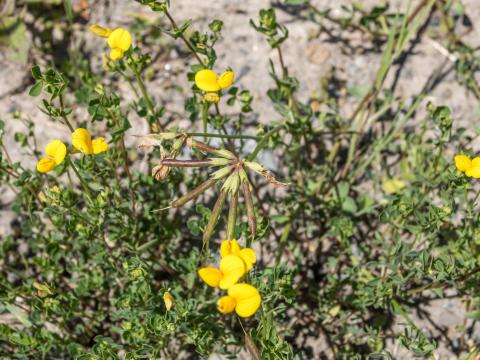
(471, 167)
(208, 81)
(119, 40)
(82, 141)
(234, 264)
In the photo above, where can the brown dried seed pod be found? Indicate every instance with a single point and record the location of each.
(212, 222)
(186, 163)
(160, 172)
(194, 193)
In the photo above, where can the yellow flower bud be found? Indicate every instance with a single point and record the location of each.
(100, 30)
(212, 97)
(168, 300)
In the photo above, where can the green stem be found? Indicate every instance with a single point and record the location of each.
(189, 46)
(82, 181)
(205, 118)
(224, 136)
(144, 92)
(64, 117)
(264, 141)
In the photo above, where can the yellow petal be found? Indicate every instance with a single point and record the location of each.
(82, 140)
(247, 298)
(99, 145)
(462, 162)
(226, 79)
(226, 304)
(100, 30)
(473, 172)
(249, 256)
(391, 186)
(116, 54)
(232, 268)
(211, 276)
(120, 38)
(476, 162)
(57, 150)
(46, 164)
(212, 97)
(229, 247)
(206, 80)
(168, 300)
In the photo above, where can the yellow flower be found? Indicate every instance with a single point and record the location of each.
(56, 151)
(119, 40)
(470, 167)
(231, 247)
(243, 298)
(232, 268)
(462, 162)
(168, 300)
(82, 141)
(212, 97)
(226, 79)
(207, 80)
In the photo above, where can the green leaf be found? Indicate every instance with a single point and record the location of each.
(36, 72)
(36, 89)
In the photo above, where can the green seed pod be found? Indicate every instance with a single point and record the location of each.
(200, 189)
(232, 216)
(212, 222)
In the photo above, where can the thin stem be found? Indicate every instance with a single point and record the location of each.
(82, 181)
(62, 108)
(124, 154)
(264, 141)
(144, 92)
(205, 118)
(189, 45)
(224, 136)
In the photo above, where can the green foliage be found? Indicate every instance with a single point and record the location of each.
(375, 221)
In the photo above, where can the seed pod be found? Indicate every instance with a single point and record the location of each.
(186, 163)
(252, 220)
(252, 348)
(212, 222)
(160, 172)
(232, 216)
(219, 161)
(221, 173)
(266, 174)
(232, 183)
(207, 148)
(200, 189)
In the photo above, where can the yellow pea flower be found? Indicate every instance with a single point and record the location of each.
(56, 151)
(207, 80)
(168, 300)
(231, 247)
(243, 298)
(119, 40)
(226, 79)
(232, 268)
(463, 163)
(82, 141)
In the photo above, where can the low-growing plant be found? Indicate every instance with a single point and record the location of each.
(363, 218)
